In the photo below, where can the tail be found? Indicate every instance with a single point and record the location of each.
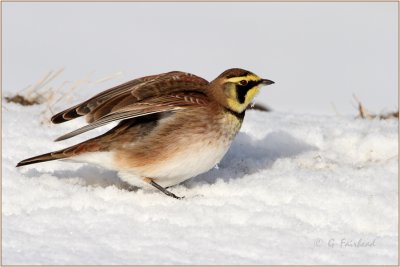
(86, 146)
(42, 158)
(91, 145)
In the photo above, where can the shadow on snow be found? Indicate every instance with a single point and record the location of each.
(248, 156)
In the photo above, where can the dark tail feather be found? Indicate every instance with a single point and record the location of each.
(86, 146)
(42, 158)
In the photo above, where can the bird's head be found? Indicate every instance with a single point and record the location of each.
(236, 88)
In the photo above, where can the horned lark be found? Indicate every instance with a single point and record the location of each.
(173, 126)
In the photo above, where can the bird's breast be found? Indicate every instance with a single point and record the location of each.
(182, 146)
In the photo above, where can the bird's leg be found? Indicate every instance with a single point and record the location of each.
(162, 189)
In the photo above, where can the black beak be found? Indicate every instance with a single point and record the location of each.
(266, 82)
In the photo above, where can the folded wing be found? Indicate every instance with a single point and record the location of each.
(153, 94)
(131, 92)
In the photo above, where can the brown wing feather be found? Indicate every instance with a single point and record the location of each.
(129, 93)
(88, 105)
(171, 83)
(165, 103)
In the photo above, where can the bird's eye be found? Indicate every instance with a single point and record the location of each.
(243, 82)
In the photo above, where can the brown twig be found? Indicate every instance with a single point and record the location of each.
(364, 114)
(42, 93)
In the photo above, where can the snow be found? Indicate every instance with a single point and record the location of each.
(293, 189)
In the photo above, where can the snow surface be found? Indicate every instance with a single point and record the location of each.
(293, 189)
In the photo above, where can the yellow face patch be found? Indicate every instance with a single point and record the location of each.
(240, 95)
(238, 107)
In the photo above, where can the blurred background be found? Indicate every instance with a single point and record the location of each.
(319, 54)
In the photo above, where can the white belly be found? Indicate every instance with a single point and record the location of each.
(194, 160)
(191, 162)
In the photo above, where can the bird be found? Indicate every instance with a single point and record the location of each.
(171, 126)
